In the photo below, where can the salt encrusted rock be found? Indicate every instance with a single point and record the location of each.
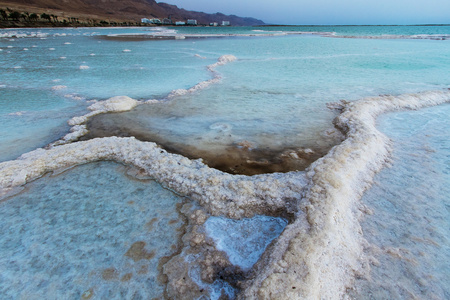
(114, 104)
(224, 59)
(198, 217)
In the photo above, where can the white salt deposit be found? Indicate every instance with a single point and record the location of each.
(18, 113)
(114, 104)
(221, 127)
(224, 59)
(59, 87)
(75, 97)
(199, 56)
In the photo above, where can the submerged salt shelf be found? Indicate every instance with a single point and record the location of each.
(408, 228)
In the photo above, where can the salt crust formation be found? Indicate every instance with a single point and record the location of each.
(223, 60)
(320, 252)
(114, 104)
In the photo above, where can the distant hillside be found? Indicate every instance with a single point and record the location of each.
(119, 11)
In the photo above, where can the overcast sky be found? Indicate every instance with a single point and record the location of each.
(328, 12)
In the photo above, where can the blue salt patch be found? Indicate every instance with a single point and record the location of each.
(244, 241)
(90, 233)
(410, 201)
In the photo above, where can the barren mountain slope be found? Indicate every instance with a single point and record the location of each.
(125, 10)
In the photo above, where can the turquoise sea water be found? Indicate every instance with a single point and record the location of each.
(273, 97)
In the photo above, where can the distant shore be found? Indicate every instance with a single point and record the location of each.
(4, 24)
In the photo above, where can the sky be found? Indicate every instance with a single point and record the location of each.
(328, 12)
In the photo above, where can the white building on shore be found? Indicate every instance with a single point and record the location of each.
(191, 22)
(150, 21)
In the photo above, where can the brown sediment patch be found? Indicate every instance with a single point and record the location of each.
(87, 294)
(238, 157)
(177, 248)
(126, 277)
(173, 221)
(143, 270)
(137, 252)
(149, 225)
(110, 274)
